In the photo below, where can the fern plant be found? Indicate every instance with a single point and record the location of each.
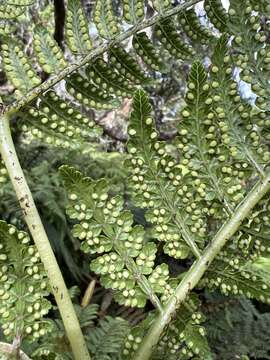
(229, 320)
(104, 337)
(204, 192)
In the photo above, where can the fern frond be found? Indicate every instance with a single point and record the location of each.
(89, 94)
(57, 123)
(188, 185)
(23, 286)
(194, 29)
(106, 227)
(108, 79)
(242, 136)
(77, 32)
(216, 14)
(110, 27)
(184, 338)
(171, 40)
(104, 337)
(186, 334)
(105, 19)
(237, 270)
(161, 5)
(258, 227)
(133, 11)
(233, 277)
(88, 315)
(6, 28)
(106, 341)
(8, 11)
(147, 51)
(261, 5)
(200, 144)
(18, 68)
(48, 53)
(127, 65)
(155, 183)
(251, 55)
(239, 330)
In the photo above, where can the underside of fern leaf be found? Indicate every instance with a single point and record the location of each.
(190, 188)
(23, 287)
(105, 227)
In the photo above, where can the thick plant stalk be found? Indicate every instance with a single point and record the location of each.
(32, 218)
(200, 266)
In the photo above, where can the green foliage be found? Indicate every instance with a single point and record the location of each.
(41, 165)
(154, 166)
(238, 329)
(194, 29)
(216, 14)
(105, 227)
(147, 51)
(104, 337)
(105, 19)
(105, 81)
(201, 177)
(88, 94)
(106, 340)
(108, 79)
(173, 43)
(249, 37)
(232, 277)
(208, 143)
(49, 54)
(126, 65)
(133, 11)
(18, 68)
(102, 84)
(185, 335)
(187, 186)
(57, 123)
(155, 182)
(161, 5)
(23, 286)
(77, 33)
(12, 9)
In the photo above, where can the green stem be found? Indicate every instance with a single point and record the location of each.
(98, 50)
(200, 266)
(144, 284)
(40, 238)
(141, 279)
(179, 222)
